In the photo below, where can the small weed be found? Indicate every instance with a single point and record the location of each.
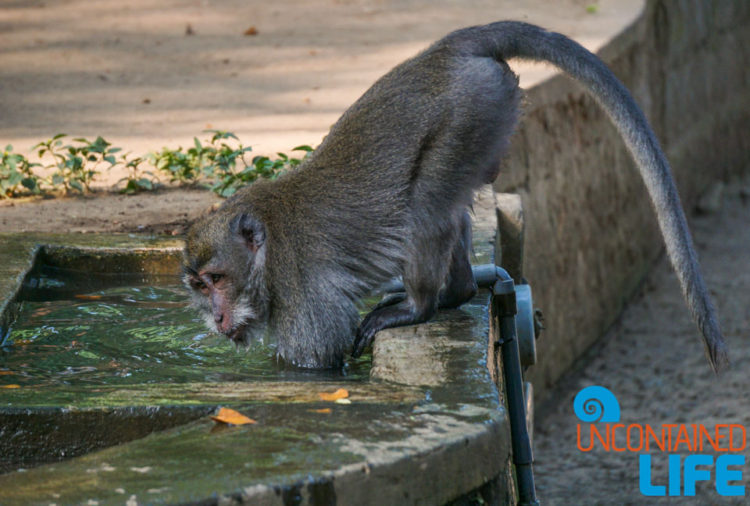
(228, 178)
(76, 165)
(137, 180)
(16, 173)
(219, 163)
(183, 167)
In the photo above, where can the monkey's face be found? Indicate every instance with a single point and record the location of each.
(223, 268)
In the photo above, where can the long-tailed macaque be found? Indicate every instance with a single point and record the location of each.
(387, 193)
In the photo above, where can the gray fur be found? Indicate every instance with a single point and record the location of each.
(386, 194)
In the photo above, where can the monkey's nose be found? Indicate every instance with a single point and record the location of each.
(223, 323)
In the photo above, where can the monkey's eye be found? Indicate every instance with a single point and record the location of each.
(215, 278)
(197, 284)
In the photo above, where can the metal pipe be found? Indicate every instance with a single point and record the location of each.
(485, 275)
(504, 307)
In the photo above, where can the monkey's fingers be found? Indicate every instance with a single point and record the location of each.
(396, 314)
(367, 330)
(361, 341)
(390, 299)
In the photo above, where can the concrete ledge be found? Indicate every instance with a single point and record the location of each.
(428, 427)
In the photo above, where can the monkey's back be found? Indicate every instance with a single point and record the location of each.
(405, 158)
(420, 140)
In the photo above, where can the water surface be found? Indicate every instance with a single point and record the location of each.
(78, 328)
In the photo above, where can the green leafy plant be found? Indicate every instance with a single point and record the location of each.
(230, 170)
(229, 180)
(16, 173)
(182, 166)
(222, 155)
(75, 165)
(137, 180)
(220, 163)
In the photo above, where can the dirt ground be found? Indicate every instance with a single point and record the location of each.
(151, 74)
(652, 361)
(144, 75)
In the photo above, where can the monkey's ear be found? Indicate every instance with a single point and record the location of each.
(250, 230)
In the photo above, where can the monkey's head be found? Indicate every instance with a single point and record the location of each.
(224, 264)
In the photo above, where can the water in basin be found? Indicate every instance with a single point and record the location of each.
(78, 329)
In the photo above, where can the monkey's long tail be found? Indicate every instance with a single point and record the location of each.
(511, 39)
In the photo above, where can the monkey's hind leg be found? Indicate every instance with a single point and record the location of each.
(424, 273)
(460, 285)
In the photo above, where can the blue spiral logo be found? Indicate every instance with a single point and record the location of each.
(596, 404)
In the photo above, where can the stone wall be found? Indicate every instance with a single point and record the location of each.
(591, 236)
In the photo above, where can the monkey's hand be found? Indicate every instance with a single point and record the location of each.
(366, 332)
(370, 326)
(393, 311)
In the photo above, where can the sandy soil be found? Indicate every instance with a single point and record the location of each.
(652, 361)
(151, 74)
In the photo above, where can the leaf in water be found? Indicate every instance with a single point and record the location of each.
(5, 373)
(101, 310)
(157, 334)
(42, 311)
(323, 410)
(230, 416)
(10, 386)
(87, 354)
(87, 297)
(341, 393)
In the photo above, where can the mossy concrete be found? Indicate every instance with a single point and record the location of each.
(89, 253)
(399, 440)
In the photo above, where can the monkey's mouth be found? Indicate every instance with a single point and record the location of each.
(237, 334)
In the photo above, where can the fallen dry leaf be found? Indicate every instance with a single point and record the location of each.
(87, 297)
(251, 31)
(5, 373)
(341, 393)
(10, 386)
(323, 410)
(42, 311)
(226, 415)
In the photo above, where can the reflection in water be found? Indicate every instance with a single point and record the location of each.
(73, 331)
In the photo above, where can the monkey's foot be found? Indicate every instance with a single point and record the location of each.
(396, 314)
(453, 298)
(390, 299)
(366, 331)
(449, 298)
